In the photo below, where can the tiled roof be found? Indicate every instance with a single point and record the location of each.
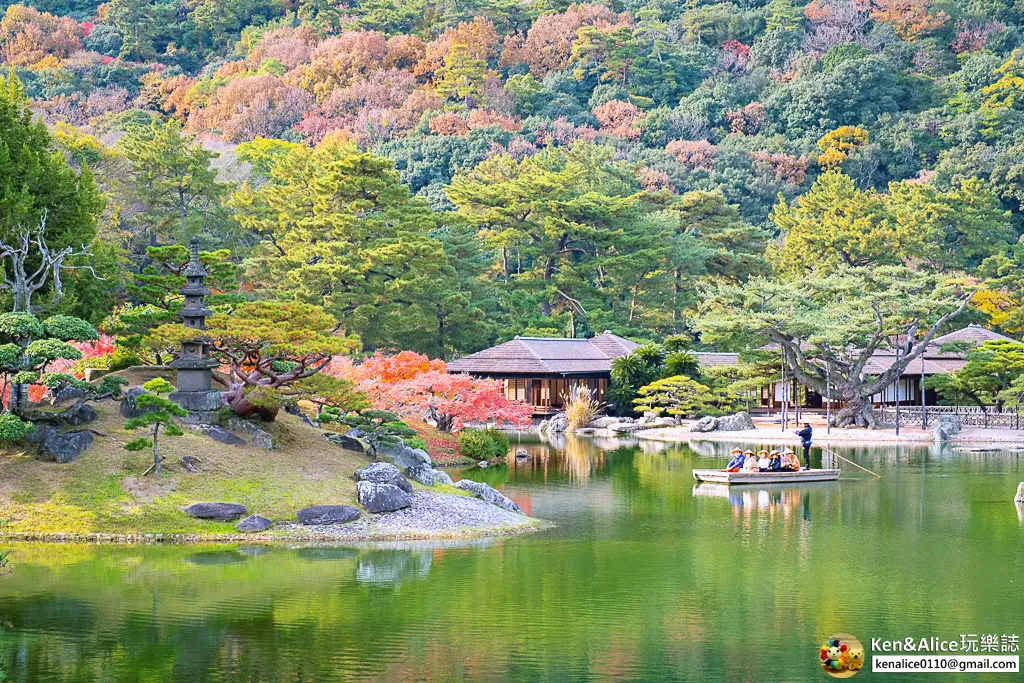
(972, 333)
(708, 360)
(547, 355)
(879, 363)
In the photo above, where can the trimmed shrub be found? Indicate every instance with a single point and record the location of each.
(484, 444)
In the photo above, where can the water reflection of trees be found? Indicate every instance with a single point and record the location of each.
(576, 458)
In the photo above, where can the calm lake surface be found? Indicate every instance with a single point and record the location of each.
(646, 577)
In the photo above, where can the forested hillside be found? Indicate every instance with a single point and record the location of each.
(444, 175)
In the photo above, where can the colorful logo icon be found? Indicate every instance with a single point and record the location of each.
(841, 656)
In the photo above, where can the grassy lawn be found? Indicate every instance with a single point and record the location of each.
(104, 492)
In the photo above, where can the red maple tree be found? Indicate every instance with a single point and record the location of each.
(412, 385)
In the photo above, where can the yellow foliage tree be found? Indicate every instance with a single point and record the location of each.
(837, 144)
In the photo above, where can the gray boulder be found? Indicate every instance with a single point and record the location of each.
(603, 422)
(221, 435)
(625, 427)
(327, 514)
(443, 478)
(705, 424)
(79, 414)
(405, 457)
(735, 423)
(61, 448)
(221, 512)
(64, 394)
(129, 404)
(522, 454)
(384, 473)
(421, 473)
(254, 523)
(428, 476)
(377, 498)
(663, 422)
(349, 443)
(257, 435)
(557, 424)
(41, 433)
(488, 495)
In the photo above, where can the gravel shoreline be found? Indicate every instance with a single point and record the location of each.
(431, 517)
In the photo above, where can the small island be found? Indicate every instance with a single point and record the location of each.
(102, 496)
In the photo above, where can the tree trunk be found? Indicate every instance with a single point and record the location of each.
(240, 405)
(156, 450)
(444, 422)
(856, 413)
(17, 401)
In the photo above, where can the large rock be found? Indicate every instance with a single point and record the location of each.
(327, 514)
(257, 435)
(63, 394)
(705, 424)
(664, 422)
(221, 512)
(79, 414)
(405, 457)
(62, 448)
(129, 404)
(41, 433)
(254, 523)
(603, 422)
(735, 423)
(348, 442)
(384, 473)
(221, 435)
(421, 473)
(625, 427)
(487, 494)
(379, 498)
(557, 424)
(443, 478)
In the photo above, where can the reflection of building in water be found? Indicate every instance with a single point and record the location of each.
(565, 453)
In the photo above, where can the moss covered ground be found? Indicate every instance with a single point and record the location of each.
(104, 490)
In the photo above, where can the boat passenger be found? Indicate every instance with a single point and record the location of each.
(789, 461)
(737, 460)
(749, 462)
(764, 463)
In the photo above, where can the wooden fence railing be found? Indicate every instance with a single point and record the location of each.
(969, 416)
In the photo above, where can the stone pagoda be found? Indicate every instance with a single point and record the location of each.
(194, 365)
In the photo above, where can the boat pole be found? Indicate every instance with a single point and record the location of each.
(847, 460)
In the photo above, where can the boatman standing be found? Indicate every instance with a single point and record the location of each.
(805, 441)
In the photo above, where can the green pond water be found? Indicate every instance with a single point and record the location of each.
(646, 577)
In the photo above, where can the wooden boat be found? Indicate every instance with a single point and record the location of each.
(784, 477)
